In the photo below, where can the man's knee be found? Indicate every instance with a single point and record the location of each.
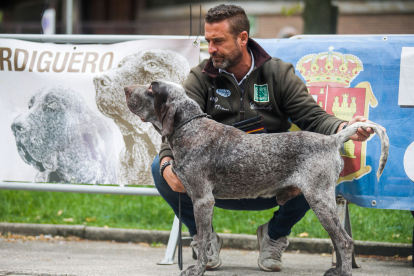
(297, 204)
(155, 167)
(155, 170)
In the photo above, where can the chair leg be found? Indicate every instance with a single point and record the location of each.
(172, 244)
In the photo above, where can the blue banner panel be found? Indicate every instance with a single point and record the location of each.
(370, 76)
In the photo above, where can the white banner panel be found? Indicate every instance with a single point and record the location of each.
(406, 92)
(63, 111)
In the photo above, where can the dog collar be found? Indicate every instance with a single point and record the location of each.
(189, 120)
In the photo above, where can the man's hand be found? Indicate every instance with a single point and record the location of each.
(172, 179)
(361, 135)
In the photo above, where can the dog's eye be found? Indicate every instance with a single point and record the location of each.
(31, 103)
(105, 82)
(152, 66)
(53, 105)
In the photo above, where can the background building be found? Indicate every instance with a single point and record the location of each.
(269, 18)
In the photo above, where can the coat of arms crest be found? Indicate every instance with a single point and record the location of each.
(328, 76)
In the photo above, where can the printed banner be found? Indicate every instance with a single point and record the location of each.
(370, 76)
(406, 93)
(63, 111)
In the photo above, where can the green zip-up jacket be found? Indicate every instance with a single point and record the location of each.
(272, 90)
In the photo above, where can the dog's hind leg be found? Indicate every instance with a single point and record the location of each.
(203, 214)
(324, 206)
(338, 257)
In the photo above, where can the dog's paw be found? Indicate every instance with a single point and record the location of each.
(332, 272)
(335, 272)
(192, 271)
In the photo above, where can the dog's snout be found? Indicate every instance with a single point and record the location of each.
(17, 128)
(127, 90)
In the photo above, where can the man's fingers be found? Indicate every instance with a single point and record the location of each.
(361, 137)
(363, 132)
(370, 130)
(357, 119)
(173, 181)
(177, 186)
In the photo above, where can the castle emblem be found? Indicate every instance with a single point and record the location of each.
(328, 76)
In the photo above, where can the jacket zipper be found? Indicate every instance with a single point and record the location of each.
(241, 109)
(242, 98)
(233, 81)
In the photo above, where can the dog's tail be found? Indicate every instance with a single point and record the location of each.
(344, 135)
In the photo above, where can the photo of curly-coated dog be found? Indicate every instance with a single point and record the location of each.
(142, 142)
(64, 140)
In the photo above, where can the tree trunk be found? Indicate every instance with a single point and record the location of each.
(320, 17)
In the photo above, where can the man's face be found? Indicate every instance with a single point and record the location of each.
(223, 48)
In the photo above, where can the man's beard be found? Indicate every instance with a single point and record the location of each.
(230, 60)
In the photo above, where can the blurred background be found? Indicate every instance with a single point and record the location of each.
(269, 18)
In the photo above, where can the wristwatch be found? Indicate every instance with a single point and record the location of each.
(164, 165)
(345, 125)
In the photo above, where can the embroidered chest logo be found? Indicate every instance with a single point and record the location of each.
(261, 93)
(223, 92)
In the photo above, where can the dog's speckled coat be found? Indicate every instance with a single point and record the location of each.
(218, 161)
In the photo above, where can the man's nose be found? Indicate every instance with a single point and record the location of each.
(211, 48)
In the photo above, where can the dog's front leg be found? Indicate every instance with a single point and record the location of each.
(203, 214)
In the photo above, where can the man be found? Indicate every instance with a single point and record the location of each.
(227, 87)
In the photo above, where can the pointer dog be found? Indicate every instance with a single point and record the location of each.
(214, 160)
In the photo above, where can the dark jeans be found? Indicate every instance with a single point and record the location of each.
(280, 225)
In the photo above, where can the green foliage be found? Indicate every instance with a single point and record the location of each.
(292, 10)
(153, 213)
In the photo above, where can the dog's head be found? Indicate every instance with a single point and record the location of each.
(140, 101)
(158, 104)
(139, 68)
(57, 120)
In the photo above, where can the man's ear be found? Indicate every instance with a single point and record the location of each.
(244, 37)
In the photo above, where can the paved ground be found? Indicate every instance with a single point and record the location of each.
(46, 256)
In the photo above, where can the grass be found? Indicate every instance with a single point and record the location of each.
(153, 213)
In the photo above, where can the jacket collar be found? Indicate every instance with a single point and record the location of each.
(260, 57)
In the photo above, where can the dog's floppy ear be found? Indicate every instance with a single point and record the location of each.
(168, 114)
(164, 109)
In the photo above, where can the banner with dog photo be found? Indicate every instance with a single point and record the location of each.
(63, 111)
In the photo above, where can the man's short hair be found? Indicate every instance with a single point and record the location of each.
(236, 16)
